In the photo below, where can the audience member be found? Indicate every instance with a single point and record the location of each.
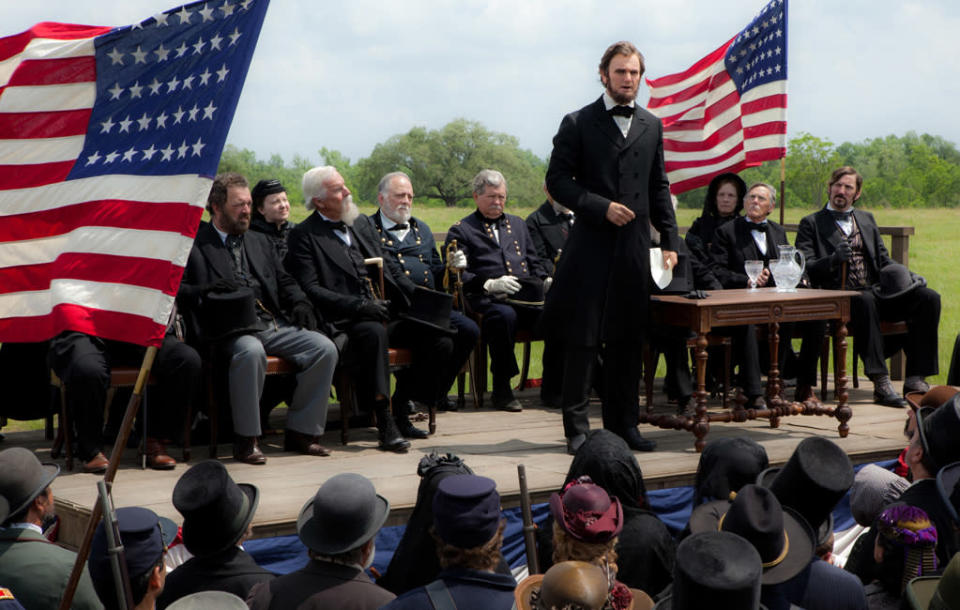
(844, 249)
(235, 288)
(468, 529)
(7, 599)
(271, 214)
(573, 585)
(144, 537)
(217, 513)
(874, 488)
(339, 527)
(905, 546)
(36, 569)
(410, 242)
(726, 465)
(502, 266)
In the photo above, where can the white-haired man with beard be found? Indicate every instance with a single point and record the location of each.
(326, 255)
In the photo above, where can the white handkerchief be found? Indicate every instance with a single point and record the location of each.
(661, 277)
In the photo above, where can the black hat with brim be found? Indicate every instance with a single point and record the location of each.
(895, 281)
(230, 314)
(939, 429)
(430, 308)
(216, 510)
(530, 293)
(23, 477)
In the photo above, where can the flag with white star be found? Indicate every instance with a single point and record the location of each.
(728, 111)
(109, 140)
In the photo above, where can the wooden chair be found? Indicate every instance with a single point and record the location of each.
(478, 370)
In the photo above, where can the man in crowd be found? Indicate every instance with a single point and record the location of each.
(34, 568)
(339, 527)
(500, 258)
(144, 538)
(227, 264)
(217, 513)
(469, 534)
(607, 166)
(844, 249)
(409, 241)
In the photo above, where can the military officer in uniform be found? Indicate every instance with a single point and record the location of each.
(410, 241)
(499, 256)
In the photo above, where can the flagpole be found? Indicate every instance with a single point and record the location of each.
(783, 190)
(118, 446)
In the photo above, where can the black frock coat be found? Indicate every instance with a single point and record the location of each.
(733, 244)
(601, 287)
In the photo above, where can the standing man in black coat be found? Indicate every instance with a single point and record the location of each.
(607, 166)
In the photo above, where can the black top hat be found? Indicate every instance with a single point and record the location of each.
(813, 480)
(781, 536)
(216, 510)
(346, 512)
(228, 314)
(144, 536)
(726, 465)
(939, 430)
(530, 293)
(466, 510)
(23, 477)
(430, 308)
(896, 280)
(715, 570)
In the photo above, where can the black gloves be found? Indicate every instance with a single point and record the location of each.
(697, 294)
(843, 253)
(376, 310)
(223, 285)
(302, 315)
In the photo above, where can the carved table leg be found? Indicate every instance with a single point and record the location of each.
(844, 412)
(773, 377)
(701, 424)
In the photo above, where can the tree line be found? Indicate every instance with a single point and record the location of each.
(910, 171)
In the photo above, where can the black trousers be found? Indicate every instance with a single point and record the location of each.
(365, 355)
(500, 325)
(921, 311)
(622, 367)
(432, 355)
(83, 363)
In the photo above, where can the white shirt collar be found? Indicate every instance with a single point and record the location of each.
(608, 102)
(25, 526)
(559, 209)
(223, 236)
(833, 209)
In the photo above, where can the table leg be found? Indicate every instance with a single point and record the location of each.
(701, 424)
(773, 376)
(843, 411)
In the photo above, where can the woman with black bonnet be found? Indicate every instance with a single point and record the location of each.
(726, 465)
(645, 550)
(271, 211)
(723, 203)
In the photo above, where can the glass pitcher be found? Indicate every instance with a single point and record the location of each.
(787, 271)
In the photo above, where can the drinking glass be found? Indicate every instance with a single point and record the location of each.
(753, 269)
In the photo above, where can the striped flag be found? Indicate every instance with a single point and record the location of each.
(728, 111)
(109, 139)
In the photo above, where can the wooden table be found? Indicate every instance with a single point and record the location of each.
(764, 306)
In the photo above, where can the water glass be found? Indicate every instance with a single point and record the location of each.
(753, 269)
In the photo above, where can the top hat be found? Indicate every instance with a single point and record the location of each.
(430, 308)
(781, 536)
(939, 430)
(726, 465)
(874, 488)
(936, 592)
(715, 570)
(144, 537)
(586, 512)
(228, 314)
(345, 513)
(216, 510)
(23, 477)
(947, 484)
(813, 480)
(896, 280)
(209, 600)
(466, 510)
(934, 397)
(530, 293)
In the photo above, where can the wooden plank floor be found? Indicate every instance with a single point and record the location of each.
(492, 443)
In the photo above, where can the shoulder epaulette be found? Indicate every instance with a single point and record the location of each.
(6, 594)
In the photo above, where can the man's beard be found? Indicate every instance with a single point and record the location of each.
(349, 211)
(620, 98)
(399, 216)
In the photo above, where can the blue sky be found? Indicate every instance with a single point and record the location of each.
(347, 75)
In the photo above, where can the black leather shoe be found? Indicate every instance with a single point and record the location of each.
(573, 444)
(636, 441)
(916, 386)
(246, 450)
(885, 395)
(390, 437)
(408, 430)
(447, 404)
(506, 402)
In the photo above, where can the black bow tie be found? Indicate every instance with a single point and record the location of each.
(234, 241)
(399, 227)
(337, 225)
(758, 226)
(841, 216)
(493, 223)
(626, 111)
(567, 217)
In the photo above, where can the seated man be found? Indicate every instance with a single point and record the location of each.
(499, 254)
(228, 259)
(339, 527)
(31, 566)
(409, 241)
(844, 249)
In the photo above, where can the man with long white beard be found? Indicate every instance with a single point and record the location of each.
(326, 255)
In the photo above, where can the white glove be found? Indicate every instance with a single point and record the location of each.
(547, 283)
(457, 260)
(505, 284)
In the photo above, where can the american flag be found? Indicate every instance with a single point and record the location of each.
(109, 139)
(728, 111)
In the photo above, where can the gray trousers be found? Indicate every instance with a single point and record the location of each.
(311, 352)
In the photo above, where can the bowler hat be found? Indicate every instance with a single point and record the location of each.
(947, 484)
(216, 510)
(530, 293)
(781, 536)
(144, 537)
(228, 314)
(430, 308)
(209, 600)
(586, 512)
(23, 477)
(466, 510)
(939, 430)
(934, 397)
(896, 280)
(566, 584)
(813, 480)
(715, 570)
(345, 513)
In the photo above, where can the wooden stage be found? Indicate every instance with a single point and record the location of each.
(491, 442)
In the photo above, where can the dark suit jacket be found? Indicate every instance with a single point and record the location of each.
(37, 571)
(233, 571)
(323, 268)
(733, 244)
(416, 254)
(549, 234)
(209, 261)
(600, 290)
(320, 585)
(818, 237)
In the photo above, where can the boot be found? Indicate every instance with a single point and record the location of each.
(246, 450)
(402, 410)
(303, 443)
(157, 457)
(390, 437)
(884, 394)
